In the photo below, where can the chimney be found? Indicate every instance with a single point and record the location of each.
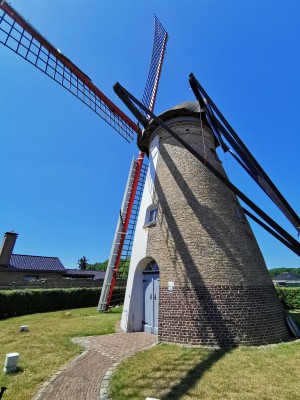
(7, 248)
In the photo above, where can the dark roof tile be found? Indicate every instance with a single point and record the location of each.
(286, 276)
(36, 263)
(79, 273)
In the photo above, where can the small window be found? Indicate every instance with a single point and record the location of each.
(151, 216)
(151, 268)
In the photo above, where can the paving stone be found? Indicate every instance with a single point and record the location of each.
(87, 376)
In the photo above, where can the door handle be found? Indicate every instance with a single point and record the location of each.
(150, 296)
(154, 296)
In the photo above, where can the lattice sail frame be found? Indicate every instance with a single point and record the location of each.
(124, 253)
(159, 48)
(21, 37)
(121, 279)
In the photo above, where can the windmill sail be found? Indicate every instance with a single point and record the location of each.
(159, 47)
(118, 265)
(220, 124)
(276, 228)
(21, 37)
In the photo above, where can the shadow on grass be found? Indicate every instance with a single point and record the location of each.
(2, 390)
(16, 372)
(193, 376)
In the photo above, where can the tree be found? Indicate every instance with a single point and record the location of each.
(102, 266)
(98, 266)
(83, 263)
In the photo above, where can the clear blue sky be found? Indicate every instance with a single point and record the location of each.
(63, 169)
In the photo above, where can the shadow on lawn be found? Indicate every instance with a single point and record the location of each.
(192, 377)
(216, 324)
(3, 388)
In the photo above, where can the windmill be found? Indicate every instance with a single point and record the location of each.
(182, 237)
(193, 231)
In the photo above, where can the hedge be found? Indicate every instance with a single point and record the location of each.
(29, 301)
(289, 297)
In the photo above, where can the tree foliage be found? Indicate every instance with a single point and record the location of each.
(98, 266)
(83, 263)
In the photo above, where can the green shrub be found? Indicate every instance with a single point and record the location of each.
(289, 297)
(29, 301)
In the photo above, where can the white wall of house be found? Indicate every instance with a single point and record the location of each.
(133, 304)
(283, 282)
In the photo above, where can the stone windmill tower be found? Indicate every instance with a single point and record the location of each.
(197, 275)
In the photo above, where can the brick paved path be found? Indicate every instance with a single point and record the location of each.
(87, 375)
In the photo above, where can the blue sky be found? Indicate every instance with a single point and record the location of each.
(63, 169)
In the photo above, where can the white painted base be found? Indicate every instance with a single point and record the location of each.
(133, 303)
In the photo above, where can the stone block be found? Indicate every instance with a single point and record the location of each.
(11, 362)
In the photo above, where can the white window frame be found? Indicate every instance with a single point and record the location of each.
(151, 216)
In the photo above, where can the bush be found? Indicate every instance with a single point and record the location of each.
(289, 297)
(29, 301)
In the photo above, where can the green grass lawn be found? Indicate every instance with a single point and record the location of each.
(47, 346)
(170, 372)
(166, 371)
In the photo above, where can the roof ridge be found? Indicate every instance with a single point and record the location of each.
(30, 255)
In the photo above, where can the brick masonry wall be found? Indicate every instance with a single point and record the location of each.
(8, 276)
(221, 316)
(222, 290)
(12, 279)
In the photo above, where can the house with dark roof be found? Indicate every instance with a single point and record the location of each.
(35, 263)
(77, 273)
(286, 279)
(20, 270)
